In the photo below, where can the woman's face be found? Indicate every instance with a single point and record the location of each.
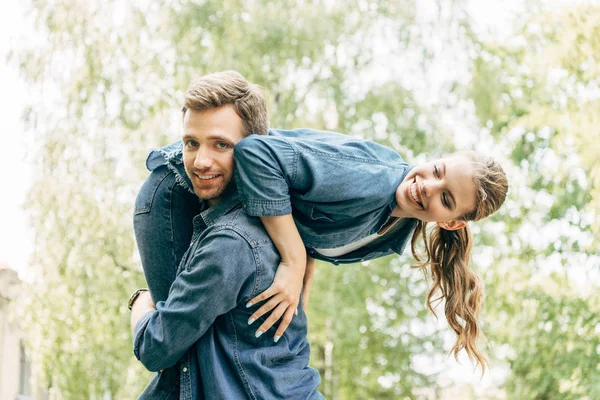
(438, 191)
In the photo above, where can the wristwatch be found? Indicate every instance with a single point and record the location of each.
(135, 296)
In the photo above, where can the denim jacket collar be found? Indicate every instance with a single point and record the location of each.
(210, 216)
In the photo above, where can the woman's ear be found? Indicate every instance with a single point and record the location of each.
(452, 225)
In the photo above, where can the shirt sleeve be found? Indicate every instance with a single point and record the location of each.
(210, 285)
(344, 177)
(265, 170)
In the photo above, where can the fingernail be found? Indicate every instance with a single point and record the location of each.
(277, 339)
(250, 321)
(257, 334)
(249, 304)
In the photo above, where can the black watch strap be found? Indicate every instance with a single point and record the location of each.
(135, 296)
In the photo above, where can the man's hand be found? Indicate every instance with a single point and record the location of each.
(283, 295)
(142, 304)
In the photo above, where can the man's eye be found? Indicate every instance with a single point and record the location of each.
(222, 145)
(191, 143)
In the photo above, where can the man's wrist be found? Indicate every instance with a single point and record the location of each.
(134, 297)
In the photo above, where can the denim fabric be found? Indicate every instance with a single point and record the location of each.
(202, 326)
(162, 222)
(163, 386)
(338, 188)
(164, 210)
(172, 156)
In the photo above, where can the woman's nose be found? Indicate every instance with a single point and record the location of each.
(432, 187)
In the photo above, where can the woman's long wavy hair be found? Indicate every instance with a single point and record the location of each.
(448, 253)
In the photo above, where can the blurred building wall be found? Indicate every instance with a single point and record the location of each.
(15, 370)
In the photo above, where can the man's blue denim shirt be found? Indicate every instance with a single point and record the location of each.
(203, 326)
(339, 189)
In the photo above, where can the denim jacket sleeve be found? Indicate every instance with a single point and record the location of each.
(264, 172)
(346, 178)
(209, 285)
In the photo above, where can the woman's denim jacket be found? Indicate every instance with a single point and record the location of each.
(338, 188)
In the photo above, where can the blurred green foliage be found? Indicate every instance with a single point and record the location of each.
(107, 81)
(544, 106)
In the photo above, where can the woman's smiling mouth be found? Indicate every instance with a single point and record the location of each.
(413, 194)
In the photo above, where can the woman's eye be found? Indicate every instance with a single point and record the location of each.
(436, 172)
(445, 201)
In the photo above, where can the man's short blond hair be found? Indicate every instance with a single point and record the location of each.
(230, 87)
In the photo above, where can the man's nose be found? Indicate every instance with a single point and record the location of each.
(203, 159)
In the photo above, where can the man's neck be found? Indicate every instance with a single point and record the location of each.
(213, 202)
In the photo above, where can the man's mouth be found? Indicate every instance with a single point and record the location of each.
(206, 178)
(413, 191)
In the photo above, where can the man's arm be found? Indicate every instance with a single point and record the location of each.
(210, 285)
(142, 305)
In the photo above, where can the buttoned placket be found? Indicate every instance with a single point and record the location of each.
(185, 379)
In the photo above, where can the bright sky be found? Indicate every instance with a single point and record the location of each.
(15, 175)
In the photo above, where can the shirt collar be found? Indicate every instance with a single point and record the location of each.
(212, 214)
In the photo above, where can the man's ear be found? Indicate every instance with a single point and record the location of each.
(452, 225)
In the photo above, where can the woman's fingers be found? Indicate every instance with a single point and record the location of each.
(268, 306)
(274, 317)
(272, 290)
(285, 322)
(282, 299)
(277, 308)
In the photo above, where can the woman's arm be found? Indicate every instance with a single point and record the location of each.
(270, 171)
(284, 292)
(308, 279)
(265, 173)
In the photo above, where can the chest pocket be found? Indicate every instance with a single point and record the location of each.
(317, 215)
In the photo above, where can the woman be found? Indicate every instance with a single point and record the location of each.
(354, 200)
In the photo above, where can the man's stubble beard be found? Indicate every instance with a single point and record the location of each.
(220, 191)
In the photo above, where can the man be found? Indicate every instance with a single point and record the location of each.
(201, 328)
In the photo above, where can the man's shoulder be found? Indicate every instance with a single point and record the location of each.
(241, 227)
(237, 247)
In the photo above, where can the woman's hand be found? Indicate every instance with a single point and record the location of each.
(283, 297)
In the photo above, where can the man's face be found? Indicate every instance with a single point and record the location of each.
(208, 140)
(438, 191)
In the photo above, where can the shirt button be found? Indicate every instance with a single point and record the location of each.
(184, 369)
